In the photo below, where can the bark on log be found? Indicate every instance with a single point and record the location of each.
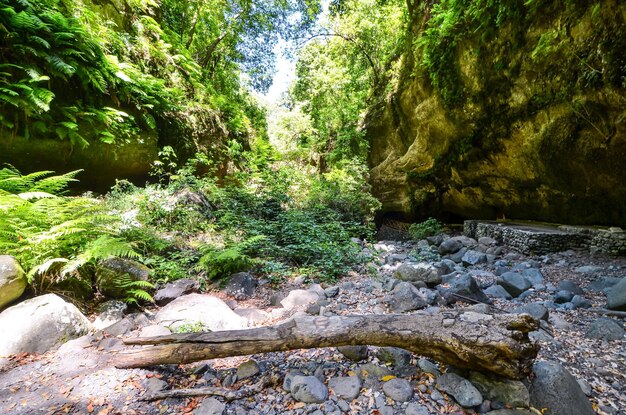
(493, 343)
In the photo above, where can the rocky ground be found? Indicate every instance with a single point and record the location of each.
(563, 290)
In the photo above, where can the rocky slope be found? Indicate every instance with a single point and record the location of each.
(517, 113)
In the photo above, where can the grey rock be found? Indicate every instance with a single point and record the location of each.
(515, 283)
(331, 292)
(393, 258)
(12, 280)
(289, 377)
(536, 311)
(461, 389)
(241, 285)
(345, 387)
(506, 391)
(343, 405)
(370, 370)
(497, 291)
(556, 389)
(481, 308)
(534, 275)
(563, 296)
(589, 269)
(254, 316)
(248, 369)
(511, 412)
(206, 310)
(605, 329)
(435, 240)
(210, 406)
(110, 343)
(297, 298)
(603, 284)
(394, 356)
(428, 367)
(472, 257)
(154, 385)
(400, 390)
(584, 386)
(405, 297)
(616, 296)
(540, 335)
(579, 301)
(175, 289)
(109, 312)
(354, 353)
(308, 389)
(416, 409)
(422, 271)
(109, 272)
(40, 324)
(450, 246)
(485, 240)
(571, 286)
(466, 241)
(466, 286)
(458, 256)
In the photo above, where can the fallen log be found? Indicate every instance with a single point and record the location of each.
(490, 343)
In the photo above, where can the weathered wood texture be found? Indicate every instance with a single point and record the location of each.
(490, 343)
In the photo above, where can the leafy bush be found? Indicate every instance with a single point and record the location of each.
(429, 227)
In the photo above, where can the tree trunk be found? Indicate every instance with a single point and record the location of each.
(498, 344)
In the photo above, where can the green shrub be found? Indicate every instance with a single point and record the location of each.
(429, 227)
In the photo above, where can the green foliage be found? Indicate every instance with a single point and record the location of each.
(338, 72)
(55, 237)
(135, 290)
(221, 263)
(196, 327)
(430, 227)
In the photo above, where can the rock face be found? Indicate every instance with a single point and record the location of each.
(12, 280)
(209, 312)
(40, 324)
(514, 132)
(556, 389)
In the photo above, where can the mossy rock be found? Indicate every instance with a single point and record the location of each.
(13, 280)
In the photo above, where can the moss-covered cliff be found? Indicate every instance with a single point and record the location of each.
(511, 109)
(102, 85)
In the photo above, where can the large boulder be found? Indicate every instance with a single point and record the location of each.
(201, 311)
(40, 324)
(12, 280)
(556, 390)
(112, 271)
(616, 296)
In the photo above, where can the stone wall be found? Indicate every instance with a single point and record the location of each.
(539, 239)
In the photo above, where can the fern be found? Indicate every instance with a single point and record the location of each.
(135, 290)
(51, 235)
